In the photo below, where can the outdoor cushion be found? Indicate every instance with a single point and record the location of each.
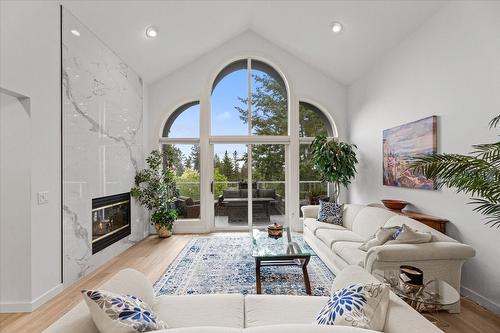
(231, 193)
(267, 193)
(329, 236)
(244, 193)
(350, 252)
(314, 225)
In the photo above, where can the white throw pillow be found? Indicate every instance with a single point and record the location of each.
(381, 236)
(114, 313)
(357, 305)
(407, 235)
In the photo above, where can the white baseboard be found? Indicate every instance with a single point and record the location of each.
(30, 306)
(481, 300)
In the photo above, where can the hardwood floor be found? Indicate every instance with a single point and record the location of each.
(152, 255)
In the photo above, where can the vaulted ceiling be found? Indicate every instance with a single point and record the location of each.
(188, 29)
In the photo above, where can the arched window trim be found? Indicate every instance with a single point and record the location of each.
(174, 115)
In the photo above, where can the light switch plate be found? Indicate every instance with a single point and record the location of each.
(43, 197)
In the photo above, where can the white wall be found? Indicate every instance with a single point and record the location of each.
(193, 82)
(15, 199)
(29, 65)
(450, 67)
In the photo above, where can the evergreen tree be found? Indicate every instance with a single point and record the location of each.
(236, 165)
(269, 117)
(195, 156)
(227, 166)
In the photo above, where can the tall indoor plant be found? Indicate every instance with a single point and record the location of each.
(335, 161)
(476, 174)
(155, 189)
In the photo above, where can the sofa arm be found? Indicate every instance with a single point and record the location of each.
(416, 252)
(132, 282)
(310, 211)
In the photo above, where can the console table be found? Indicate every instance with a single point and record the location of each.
(432, 221)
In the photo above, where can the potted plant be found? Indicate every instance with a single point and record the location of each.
(315, 195)
(335, 161)
(155, 189)
(476, 174)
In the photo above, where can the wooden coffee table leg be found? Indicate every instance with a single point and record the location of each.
(257, 275)
(306, 275)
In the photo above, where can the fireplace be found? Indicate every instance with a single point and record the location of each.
(110, 220)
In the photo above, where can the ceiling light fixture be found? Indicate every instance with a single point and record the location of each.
(75, 32)
(151, 32)
(336, 27)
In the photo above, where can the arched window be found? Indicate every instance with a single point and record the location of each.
(184, 122)
(184, 154)
(249, 97)
(312, 122)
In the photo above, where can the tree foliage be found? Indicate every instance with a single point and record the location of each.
(155, 187)
(335, 161)
(476, 174)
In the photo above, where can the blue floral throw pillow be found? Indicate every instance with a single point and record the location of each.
(114, 313)
(357, 305)
(330, 212)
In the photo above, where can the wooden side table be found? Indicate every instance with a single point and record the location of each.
(432, 221)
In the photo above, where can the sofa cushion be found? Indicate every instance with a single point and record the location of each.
(357, 304)
(304, 328)
(350, 213)
(408, 235)
(231, 193)
(116, 313)
(330, 212)
(381, 236)
(313, 225)
(399, 220)
(202, 329)
(201, 310)
(369, 219)
(329, 236)
(400, 316)
(350, 252)
(278, 309)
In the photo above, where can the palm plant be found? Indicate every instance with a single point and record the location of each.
(476, 174)
(335, 161)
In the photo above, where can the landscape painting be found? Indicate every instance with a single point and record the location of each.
(401, 144)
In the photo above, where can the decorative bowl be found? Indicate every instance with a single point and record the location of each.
(275, 230)
(394, 204)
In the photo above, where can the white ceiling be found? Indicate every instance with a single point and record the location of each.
(188, 29)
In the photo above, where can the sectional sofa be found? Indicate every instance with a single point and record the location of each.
(338, 246)
(237, 313)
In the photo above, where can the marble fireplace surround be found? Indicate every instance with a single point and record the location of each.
(102, 114)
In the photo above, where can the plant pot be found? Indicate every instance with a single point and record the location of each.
(314, 200)
(162, 230)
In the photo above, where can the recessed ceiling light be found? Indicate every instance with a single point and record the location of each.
(151, 32)
(336, 27)
(75, 32)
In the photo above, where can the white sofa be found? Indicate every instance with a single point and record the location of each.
(238, 313)
(338, 246)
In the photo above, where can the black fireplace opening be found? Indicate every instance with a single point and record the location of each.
(110, 220)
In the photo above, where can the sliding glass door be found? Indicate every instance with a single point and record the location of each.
(244, 196)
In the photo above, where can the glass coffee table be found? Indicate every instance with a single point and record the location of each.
(288, 250)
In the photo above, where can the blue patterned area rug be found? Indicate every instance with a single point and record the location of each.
(223, 264)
